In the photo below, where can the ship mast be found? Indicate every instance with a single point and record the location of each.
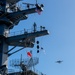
(3, 27)
(8, 20)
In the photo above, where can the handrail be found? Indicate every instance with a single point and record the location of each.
(24, 31)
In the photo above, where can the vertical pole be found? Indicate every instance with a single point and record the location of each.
(3, 27)
(34, 25)
(3, 46)
(2, 6)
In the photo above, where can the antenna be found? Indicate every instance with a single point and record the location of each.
(36, 1)
(28, 63)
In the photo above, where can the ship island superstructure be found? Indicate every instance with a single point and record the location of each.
(11, 15)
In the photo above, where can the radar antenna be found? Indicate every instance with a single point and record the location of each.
(24, 64)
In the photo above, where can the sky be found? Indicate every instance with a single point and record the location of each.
(58, 17)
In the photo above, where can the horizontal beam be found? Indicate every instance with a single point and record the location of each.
(27, 37)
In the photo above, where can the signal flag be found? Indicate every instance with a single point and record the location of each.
(43, 50)
(38, 11)
(29, 54)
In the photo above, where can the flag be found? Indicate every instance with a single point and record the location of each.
(43, 50)
(38, 11)
(29, 54)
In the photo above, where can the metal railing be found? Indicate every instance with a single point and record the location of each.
(24, 31)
